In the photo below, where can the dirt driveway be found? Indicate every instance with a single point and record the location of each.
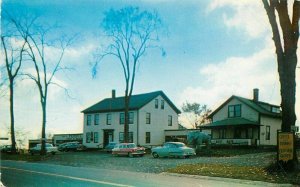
(148, 164)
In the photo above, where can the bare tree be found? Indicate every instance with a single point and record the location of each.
(195, 113)
(45, 68)
(13, 46)
(131, 32)
(286, 52)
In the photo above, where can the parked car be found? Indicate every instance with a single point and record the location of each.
(69, 146)
(129, 149)
(173, 149)
(110, 146)
(49, 148)
(7, 149)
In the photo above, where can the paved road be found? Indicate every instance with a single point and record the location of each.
(21, 174)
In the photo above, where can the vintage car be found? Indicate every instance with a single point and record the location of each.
(7, 149)
(129, 149)
(173, 149)
(49, 148)
(69, 146)
(110, 146)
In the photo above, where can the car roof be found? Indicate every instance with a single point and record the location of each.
(175, 143)
(126, 143)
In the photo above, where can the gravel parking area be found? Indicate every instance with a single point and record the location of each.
(148, 164)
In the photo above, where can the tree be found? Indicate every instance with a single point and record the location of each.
(286, 52)
(39, 42)
(130, 32)
(13, 57)
(195, 113)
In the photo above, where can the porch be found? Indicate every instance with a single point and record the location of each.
(234, 131)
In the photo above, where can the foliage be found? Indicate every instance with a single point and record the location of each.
(195, 113)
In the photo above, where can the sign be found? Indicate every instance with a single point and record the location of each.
(285, 146)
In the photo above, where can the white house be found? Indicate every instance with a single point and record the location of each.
(245, 121)
(150, 114)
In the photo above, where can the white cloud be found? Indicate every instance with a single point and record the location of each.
(247, 16)
(237, 76)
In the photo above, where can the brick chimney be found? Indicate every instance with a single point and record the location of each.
(113, 94)
(255, 94)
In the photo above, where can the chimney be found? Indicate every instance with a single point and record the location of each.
(113, 94)
(255, 94)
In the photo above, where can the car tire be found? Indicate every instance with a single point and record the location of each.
(130, 155)
(155, 155)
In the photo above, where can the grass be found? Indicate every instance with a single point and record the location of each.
(24, 157)
(229, 152)
(238, 172)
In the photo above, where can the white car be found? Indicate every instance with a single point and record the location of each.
(49, 148)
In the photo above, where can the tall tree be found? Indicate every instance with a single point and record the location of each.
(130, 32)
(13, 46)
(286, 52)
(195, 113)
(40, 43)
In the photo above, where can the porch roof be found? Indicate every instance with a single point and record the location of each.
(230, 122)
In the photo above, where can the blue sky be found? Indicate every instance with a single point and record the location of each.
(214, 49)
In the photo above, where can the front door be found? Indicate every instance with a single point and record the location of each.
(108, 136)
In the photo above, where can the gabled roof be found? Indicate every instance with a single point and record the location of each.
(136, 102)
(255, 105)
(230, 122)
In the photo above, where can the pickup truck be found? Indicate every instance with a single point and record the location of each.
(49, 148)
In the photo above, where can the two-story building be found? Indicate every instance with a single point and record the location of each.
(150, 114)
(242, 121)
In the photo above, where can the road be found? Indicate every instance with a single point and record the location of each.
(16, 173)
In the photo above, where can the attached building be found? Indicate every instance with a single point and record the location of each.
(242, 121)
(150, 114)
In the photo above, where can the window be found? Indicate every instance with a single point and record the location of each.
(130, 137)
(122, 118)
(267, 132)
(108, 119)
(169, 120)
(96, 137)
(275, 109)
(234, 111)
(148, 118)
(148, 137)
(88, 120)
(96, 119)
(162, 105)
(88, 137)
(131, 117)
(222, 133)
(250, 133)
(237, 133)
(156, 103)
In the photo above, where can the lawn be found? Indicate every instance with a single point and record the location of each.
(228, 152)
(238, 172)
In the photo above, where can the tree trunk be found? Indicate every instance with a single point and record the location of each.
(12, 118)
(287, 72)
(43, 148)
(126, 114)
